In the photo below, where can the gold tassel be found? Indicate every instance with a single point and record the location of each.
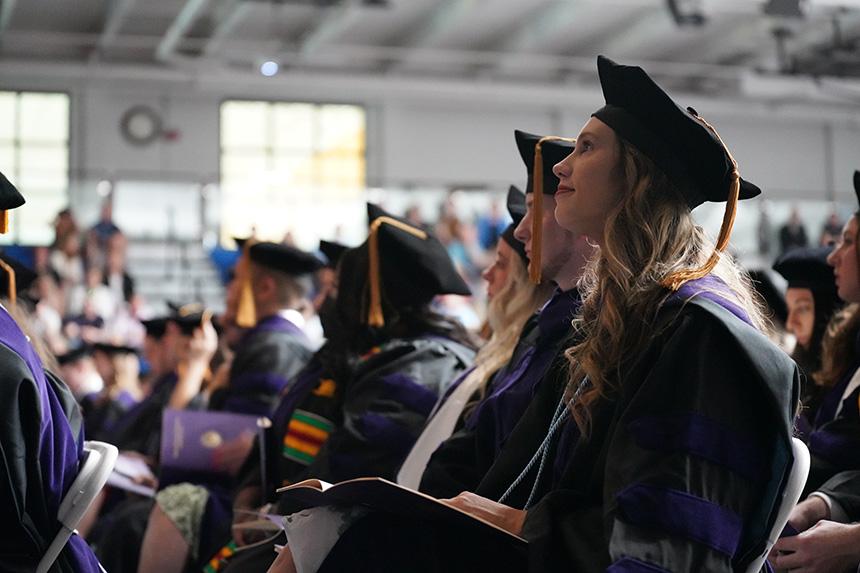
(675, 280)
(10, 274)
(4, 222)
(375, 316)
(246, 312)
(537, 208)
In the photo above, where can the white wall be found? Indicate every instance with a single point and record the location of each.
(421, 132)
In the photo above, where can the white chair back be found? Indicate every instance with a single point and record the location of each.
(790, 496)
(92, 476)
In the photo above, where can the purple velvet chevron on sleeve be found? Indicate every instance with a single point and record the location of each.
(630, 565)
(682, 514)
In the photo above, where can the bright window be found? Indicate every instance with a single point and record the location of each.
(34, 155)
(281, 163)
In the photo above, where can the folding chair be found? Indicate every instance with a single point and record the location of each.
(92, 475)
(790, 496)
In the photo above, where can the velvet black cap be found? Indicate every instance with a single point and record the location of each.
(689, 153)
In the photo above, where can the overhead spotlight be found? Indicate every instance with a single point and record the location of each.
(269, 68)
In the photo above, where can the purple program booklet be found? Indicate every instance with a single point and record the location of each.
(197, 442)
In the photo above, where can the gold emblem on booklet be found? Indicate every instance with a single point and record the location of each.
(211, 439)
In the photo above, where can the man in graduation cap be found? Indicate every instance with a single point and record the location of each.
(119, 368)
(41, 441)
(273, 281)
(557, 256)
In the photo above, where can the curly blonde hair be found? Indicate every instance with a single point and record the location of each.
(649, 234)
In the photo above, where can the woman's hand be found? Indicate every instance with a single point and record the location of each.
(808, 512)
(825, 547)
(498, 514)
(284, 562)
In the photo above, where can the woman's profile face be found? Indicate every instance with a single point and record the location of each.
(843, 259)
(590, 182)
(496, 274)
(801, 314)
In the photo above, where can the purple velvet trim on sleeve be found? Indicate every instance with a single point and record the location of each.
(682, 514)
(840, 449)
(59, 450)
(378, 429)
(412, 395)
(702, 437)
(268, 382)
(630, 565)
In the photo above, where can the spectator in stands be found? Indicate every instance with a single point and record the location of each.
(491, 226)
(792, 234)
(831, 230)
(100, 233)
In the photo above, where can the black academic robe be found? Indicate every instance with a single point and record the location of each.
(364, 426)
(844, 488)
(462, 460)
(267, 358)
(681, 471)
(41, 442)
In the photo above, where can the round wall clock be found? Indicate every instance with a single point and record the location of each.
(140, 125)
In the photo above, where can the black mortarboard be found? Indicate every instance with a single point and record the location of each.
(517, 210)
(10, 199)
(682, 144)
(155, 327)
(112, 349)
(240, 243)
(772, 296)
(857, 188)
(410, 263)
(284, 258)
(540, 154)
(188, 316)
(19, 280)
(553, 150)
(807, 268)
(332, 252)
(74, 355)
(676, 140)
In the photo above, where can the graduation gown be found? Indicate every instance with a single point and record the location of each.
(834, 442)
(365, 426)
(41, 443)
(268, 357)
(460, 462)
(139, 430)
(844, 488)
(681, 471)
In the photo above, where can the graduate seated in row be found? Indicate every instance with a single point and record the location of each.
(558, 259)
(812, 301)
(667, 446)
(359, 405)
(834, 438)
(514, 300)
(41, 441)
(828, 536)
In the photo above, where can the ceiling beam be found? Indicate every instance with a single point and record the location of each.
(648, 29)
(180, 25)
(332, 22)
(548, 20)
(116, 14)
(227, 17)
(441, 19)
(6, 9)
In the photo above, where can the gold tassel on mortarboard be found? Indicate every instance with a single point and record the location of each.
(4, 222)
(537, 208)
(375, 316)
(246, 311)
(10, 273)
(675, 280)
